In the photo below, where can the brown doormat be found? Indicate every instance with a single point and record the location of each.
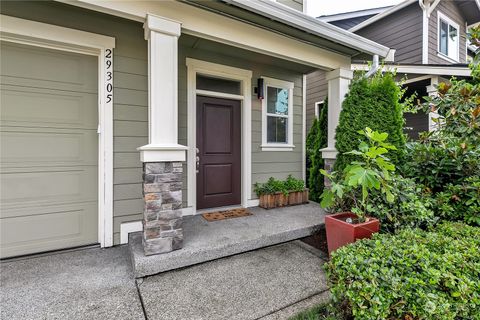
(227, 214)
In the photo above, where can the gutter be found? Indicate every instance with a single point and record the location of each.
(296, 19)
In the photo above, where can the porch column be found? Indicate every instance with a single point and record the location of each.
(338, 82)
(433, 114)
(162, 157)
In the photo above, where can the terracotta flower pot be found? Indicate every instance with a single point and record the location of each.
(340, 233)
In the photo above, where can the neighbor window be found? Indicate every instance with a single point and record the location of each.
(448, 37)
(277, 130)
(318, 108)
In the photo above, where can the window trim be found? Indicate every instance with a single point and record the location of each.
(317, 110)
(450, 22)
(271, 146)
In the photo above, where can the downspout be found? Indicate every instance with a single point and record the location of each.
(425, 17)
(375, 66)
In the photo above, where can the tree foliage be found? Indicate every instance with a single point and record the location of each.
(375, 103)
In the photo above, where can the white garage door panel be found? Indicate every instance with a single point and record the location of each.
(23, 235)
(59, 108)
(45, 68)
(48, 147)
(48, 151)
(48, 187)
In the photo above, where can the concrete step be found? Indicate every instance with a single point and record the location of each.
(205, 241)
(271, 283)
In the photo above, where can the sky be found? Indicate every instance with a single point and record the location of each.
(321, 7)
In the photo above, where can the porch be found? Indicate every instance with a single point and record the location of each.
(205, 241)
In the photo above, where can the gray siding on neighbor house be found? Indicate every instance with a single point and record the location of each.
(265, 164)
(317, 90)
(130, 93)
(294, 4)
(451, 10)
(401, 31)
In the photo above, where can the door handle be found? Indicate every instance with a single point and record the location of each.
(198, 163)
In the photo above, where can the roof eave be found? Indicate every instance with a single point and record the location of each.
(309, 24)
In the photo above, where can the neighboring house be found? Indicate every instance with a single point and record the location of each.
(430, 40)
(118, 112)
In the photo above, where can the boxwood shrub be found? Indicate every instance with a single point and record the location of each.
(414, 274)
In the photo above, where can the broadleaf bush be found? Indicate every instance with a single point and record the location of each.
(414, 274)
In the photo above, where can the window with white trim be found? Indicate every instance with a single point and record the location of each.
(448, 37)
(318, 108)
(277, 112)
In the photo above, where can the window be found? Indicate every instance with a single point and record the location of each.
(448, 38)
(277, 111)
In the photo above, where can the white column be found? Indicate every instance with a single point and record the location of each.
(162, 35)
(338, 82)
(432, 91)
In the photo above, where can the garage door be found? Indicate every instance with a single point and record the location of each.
(49, 118)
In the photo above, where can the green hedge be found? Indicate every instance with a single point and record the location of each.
(316, 140)
(375, 103)
(412, 275)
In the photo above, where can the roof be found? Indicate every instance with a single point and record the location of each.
(469, 8)
(285, 20)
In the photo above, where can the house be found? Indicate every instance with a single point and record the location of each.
(430, 42)
(123, 116)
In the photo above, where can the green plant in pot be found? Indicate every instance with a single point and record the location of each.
(371, 170)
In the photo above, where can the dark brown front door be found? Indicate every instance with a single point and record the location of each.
(218, 144)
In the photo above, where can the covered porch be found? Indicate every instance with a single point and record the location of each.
(205, 241)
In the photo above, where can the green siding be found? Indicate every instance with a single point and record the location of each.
(130, 93)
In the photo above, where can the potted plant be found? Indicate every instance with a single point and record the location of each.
(276, 193)
(371, 172)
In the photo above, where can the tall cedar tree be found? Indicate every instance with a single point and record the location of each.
(371, 102)
(316, 140)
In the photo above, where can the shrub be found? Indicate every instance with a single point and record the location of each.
(411, 275)
(374, 103)
(275, 186)
(460, 202)
(410, 208)
(316, 140)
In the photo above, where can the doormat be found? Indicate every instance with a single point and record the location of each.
(227, 214)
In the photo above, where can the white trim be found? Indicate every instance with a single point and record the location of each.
(317, 111)
(416, 79)
(382, 15)
(217, 70)
(304, 127)
(420, 69)
(59, 38)
(450, 22)
(352, 14)
(425, 29)
(269, 146)
(253, 203)
(129, 227)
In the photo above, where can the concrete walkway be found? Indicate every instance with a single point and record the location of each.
(270, 284)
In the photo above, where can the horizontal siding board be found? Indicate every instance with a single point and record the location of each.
(128, 112)
(123, 128)
(127, 160)
(127, 175)
(128, 207)
(127, 191)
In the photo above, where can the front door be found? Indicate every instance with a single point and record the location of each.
(218, 152)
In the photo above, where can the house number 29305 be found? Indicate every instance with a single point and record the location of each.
(109, 75)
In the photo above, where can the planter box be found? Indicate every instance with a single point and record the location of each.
(269, 201)
(340, 233)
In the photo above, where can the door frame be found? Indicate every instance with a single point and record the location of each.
(49, 36)
(229, 73)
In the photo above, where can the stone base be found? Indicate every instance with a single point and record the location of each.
(162, 214)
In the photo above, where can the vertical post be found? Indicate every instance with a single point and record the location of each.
(338, 82)
(162, 157)
(433, 116)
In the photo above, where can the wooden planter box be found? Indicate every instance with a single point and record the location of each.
(269, 201)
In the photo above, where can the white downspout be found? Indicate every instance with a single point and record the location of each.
(375, 66)
(425, 16)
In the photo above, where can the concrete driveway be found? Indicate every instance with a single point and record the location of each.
(270, 283)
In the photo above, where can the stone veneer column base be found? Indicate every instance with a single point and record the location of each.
(162, 214)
